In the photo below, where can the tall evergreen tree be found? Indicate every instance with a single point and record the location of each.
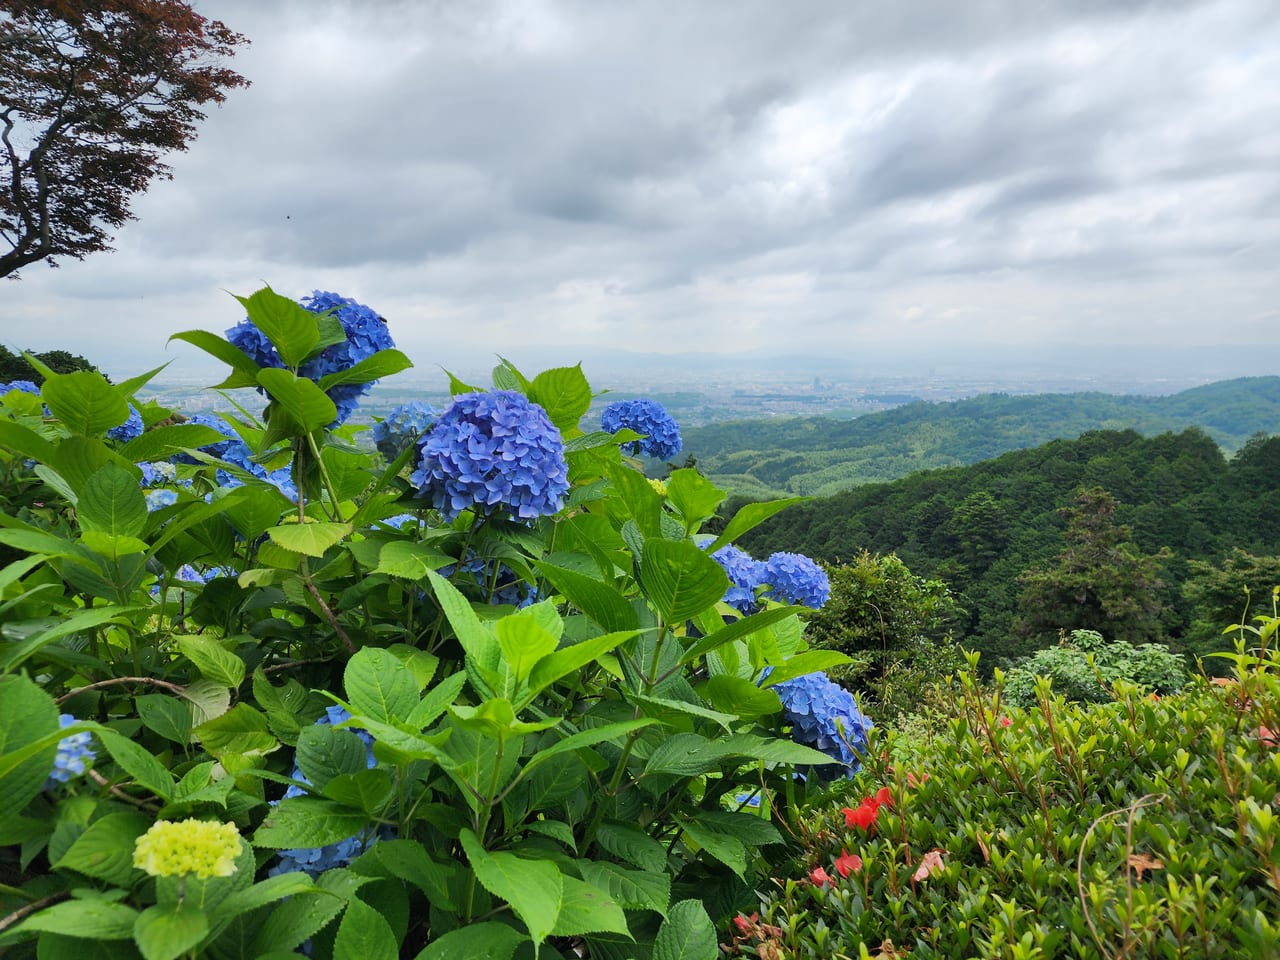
(1100, 581)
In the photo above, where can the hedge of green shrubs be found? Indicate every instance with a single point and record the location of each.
(1148, 826)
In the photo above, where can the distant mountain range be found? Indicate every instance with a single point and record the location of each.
(819, 456)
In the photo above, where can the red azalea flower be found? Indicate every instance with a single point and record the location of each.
(820, 877)
(884, 797)
(864, 816)
(848, 863)
(914, 781)
(746, 924)
(1006, 722)
(1268, 737)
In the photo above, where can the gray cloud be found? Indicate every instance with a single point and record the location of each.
(717, 176)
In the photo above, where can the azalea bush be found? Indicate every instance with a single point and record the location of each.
(486, 692)
(1147, 826)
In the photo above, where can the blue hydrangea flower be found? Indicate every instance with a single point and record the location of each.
(403, 427)
(237, 453)
(218, 448)
(366, 334)
(159, 499)
(825, 716)
(795, 578)
(661, 433)
(316, 860)
(157, 474)
(131, 429)
(74, 755)
(26, 386)
(495, 451)
(401, 520)
(745, 574)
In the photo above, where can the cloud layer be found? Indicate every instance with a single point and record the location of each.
(722, 176)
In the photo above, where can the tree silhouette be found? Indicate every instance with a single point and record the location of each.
(93, 93)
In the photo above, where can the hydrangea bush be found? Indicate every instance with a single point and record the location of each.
(493, 698)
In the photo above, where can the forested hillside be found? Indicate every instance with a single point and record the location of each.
(980, 528)
(818, 456)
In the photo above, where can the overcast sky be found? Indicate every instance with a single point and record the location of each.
(713, 176)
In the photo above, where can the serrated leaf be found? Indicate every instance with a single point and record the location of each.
(83, 919)
(309, 539)
(167, 932)
(364, 935)
(477, 941)
(384, 363)
(564, 393)
(598, 600)
(533, 888)
(241, 730)
(137, 761)
(679, 579)
(633, 889)
(163, 442)
(212, 660)
(111, 502)
(801, 664)
(85, 403)
(105, 850)
(324, 753)
(307, 822)
(587, 908)
(291, 328)
(686, 934)
(411, 561)
(379, 685)
(694, 496)
(633, 845)
(29, 715)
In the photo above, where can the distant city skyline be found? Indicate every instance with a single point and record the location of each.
(723, 178)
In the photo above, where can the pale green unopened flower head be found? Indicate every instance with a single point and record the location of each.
(174, 848)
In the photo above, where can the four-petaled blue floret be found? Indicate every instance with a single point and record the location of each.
(131, 429)
(825, 716)
(366, 334)
(402, 428)
(661, 433)
(795, 578)
(494, 451)
(74, 755)
(316, 860)
(745, 574)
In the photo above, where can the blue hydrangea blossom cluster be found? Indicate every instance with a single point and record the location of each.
(790, 577)
(26, 386)
(237, 452)
(316, 860)
(661, 433)
(494, 451)
(403, 427)
(745, 574)
(131, 429)
(366, 332)
(218, 448)
(74, 755)
(795, 578)
(824, 715)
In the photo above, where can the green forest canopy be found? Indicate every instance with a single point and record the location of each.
(820, 456)
(980, 528)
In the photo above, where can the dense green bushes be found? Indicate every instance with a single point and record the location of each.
(1144, 827)
(1083, 667)
(261, 689)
